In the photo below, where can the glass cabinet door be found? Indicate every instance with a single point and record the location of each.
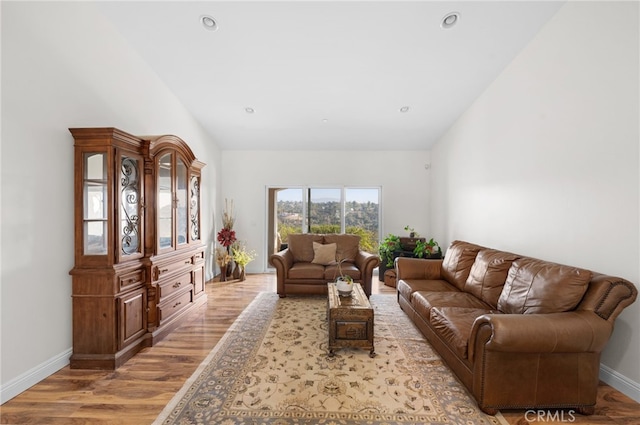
(164, 206)
(181, 201)
(95, 204)
(194, 208)
(176, 195)
(130, 196)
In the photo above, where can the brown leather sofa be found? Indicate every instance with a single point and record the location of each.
(520, 333)
(302, 270)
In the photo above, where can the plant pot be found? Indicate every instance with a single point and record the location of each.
(381, 269)
(229, 269)
(344, 288)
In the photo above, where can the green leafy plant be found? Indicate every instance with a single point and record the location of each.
(388, 246)
(368, 238)
(424, 248)
(412, 231)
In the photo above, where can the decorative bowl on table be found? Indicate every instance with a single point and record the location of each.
(344, 285)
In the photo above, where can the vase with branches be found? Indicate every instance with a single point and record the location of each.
(223, 259)
(227, 236)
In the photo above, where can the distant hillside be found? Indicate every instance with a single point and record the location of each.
(360, 218)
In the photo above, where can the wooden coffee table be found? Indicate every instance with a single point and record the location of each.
(350, 320)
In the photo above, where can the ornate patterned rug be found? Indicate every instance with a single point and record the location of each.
(272, 367)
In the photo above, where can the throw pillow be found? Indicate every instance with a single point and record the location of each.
(324, 254)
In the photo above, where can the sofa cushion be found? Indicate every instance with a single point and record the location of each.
(423, 302)
(458, 261)
(348, 269)
(454, 324)
(406, 287)
(301, 246)
(488, 274)
(324, 254)
(347, 246)
(537, 286)
(306, 271)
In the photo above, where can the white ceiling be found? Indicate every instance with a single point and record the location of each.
(328, 75)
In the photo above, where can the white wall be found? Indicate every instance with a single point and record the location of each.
(63, 66)
(401, 175)
(546, 162)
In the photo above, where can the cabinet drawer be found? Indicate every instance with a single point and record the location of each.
(198, 258)
(175, 305)
(167, 269)
(131, 279)
(173, 285)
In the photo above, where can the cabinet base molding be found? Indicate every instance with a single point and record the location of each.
(108, 361)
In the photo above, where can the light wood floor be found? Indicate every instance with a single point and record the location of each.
(137, 392)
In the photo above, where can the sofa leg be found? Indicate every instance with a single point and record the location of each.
(282, 295)
(490, 410)
(586, 410)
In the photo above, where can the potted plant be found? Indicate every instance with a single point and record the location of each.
(344, 282)
(223, 258)
(429, 249)
(242, 257)
(412, 232)
(388, 247)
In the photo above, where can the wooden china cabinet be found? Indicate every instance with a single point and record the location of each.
(139, 256)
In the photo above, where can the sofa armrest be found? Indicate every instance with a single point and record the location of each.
(607, 296)
(282, 261)
(570, 332)
(366, 262)
(418, 268)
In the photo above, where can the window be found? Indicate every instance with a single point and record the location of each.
(324, 210)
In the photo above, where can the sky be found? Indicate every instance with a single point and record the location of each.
(360, 195)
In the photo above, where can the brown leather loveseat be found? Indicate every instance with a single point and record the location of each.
(310, 261)
(520, 333)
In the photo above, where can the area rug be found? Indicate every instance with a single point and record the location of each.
(272, 367)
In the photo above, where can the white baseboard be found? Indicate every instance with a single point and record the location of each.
(620, 382)
(33, 376)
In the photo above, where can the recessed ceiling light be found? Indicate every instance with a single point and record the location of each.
(209, 23)
(450, 20)
(249, 110)
(404, 109)
(324, 120)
